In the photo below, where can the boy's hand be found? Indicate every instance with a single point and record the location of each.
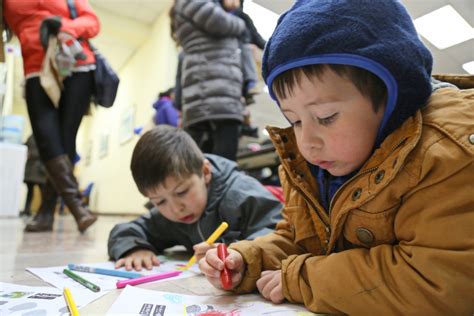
(201, 249)
(138, 258)
(269, 285)
(212, 266)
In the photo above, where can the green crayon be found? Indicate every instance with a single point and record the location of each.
(91, 286)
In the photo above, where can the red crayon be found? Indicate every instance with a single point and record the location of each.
(226, 278)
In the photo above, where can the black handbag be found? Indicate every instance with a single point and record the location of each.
(106, 81)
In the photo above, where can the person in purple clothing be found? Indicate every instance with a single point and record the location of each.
(166, 113)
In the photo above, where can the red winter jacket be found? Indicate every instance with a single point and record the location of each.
(24, 18)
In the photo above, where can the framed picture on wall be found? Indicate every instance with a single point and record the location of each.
(127, 121)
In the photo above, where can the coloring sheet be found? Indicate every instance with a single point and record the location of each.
(56, 277)
(39, 301)
(138, 301)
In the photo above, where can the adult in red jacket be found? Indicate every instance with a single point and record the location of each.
(55, 128)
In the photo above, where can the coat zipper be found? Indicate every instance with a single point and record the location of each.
(360, 174)
(199, 231)
(345, 183)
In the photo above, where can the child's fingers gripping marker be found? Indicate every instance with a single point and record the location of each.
(226, 278)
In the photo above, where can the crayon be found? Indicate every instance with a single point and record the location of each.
(147, 278)
(70, 302)
(91, 286)
(117, 273)
(226, 278)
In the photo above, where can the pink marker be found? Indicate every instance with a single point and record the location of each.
(147, 278)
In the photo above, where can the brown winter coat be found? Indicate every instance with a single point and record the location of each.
(399, 239)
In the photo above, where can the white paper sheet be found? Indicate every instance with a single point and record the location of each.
(138, 301)
(56, 277)
(18, 299)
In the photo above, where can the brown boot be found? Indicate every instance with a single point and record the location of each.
(43, 220)
(60, 171)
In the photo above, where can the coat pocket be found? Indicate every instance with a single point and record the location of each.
(368, 230)
(302, 227)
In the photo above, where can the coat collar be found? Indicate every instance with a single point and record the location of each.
(374, 175)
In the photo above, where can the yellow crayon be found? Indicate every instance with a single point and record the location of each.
(216, 234)
(70, 302)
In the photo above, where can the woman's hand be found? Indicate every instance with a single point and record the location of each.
(137, 259)
(269, 285)
(212, 266)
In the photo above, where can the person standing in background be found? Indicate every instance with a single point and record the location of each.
(35, 173)
(211, 78)
(166, 113)
(55, 127)
(249, 36)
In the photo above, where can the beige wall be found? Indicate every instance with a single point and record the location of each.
(151, 69)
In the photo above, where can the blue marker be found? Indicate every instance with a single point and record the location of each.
(117, 273)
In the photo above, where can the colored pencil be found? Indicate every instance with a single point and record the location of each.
(91, 286)
(216, 234)
(147, 278)
(117, 273)
(70, 302)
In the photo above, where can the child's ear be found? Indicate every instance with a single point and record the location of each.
(207, 171)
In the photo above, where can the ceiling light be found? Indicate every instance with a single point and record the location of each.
(444, 27)
(469, 67)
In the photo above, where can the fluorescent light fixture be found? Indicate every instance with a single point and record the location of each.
(444, 27)
(469, 67)
(265, 20)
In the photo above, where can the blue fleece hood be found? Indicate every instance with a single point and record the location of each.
(378, 36)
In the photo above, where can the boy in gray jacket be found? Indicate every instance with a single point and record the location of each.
(193, 194)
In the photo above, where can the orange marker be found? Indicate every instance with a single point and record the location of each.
(226, 279)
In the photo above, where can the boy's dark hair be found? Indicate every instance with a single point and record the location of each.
(162, 152)
(368, 84)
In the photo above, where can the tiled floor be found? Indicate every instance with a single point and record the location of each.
(62, 246)
(19, 250)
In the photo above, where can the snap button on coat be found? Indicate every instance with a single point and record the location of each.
(364, 235)
(379, 176)
(471, 139)
(356, 194)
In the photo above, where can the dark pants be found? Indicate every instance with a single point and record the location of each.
(217, 137)
(55, 129)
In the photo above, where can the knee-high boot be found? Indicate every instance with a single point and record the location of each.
(44, 218)
(60, 171)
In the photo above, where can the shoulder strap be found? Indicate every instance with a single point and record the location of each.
(72, 9)
(73, 14)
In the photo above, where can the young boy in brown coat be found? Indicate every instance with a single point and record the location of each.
(376, 168)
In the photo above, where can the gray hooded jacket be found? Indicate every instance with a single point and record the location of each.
(241, 201)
